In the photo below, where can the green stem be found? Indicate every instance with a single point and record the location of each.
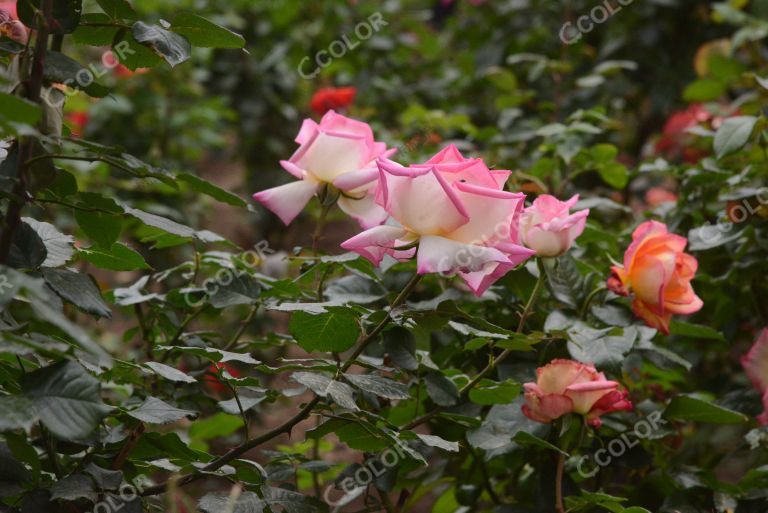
(328, 199)
(588, 301)
(464, 392)
(244, 326)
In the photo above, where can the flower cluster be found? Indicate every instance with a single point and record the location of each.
(454, 216)
(451, 212)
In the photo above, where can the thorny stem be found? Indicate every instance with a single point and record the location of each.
(559, 484)
(288, 425)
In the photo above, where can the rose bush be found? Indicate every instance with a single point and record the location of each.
(543, 289)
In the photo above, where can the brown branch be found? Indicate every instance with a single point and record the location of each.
(288, 425)
(34, 86)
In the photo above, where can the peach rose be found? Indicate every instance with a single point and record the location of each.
(567, 386)
(755, 364)
(659, 274)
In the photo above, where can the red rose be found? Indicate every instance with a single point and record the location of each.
(332, 98)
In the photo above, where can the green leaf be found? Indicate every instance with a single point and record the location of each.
(325, 386)
(272, 499)
(733, 134)
(118, 9)
(379, 386)
(686, 329)
(74, 487)
(528, 439)
(242, 289)
(170, 373)
(170, 226)
(93, 30)
(17, 110)
(117, 258)
(604, 347)
(691, 408)
(357, 435)
(704, 90)
(172, 47)
(132, 54)
(214, 191)
(66, 14)
(12, 471)
(59, 247)
(27, 248)
(489, 392)
(61, 69)
(66, 398)
(440, 443)
(156, 411)
(333, 331)
(77, 288)
(564, 280)
(102, 227)
(711, 236)
(215, 426)
(17, 412)
(441, 390)
(249, 397)
(202, 32)
(614, 174)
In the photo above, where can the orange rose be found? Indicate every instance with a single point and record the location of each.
(659, 273)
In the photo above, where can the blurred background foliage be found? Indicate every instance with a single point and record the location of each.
(626, 118)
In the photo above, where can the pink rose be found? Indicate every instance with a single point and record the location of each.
(10, 26)
(339, 151)
(755, 364)
(659, 273)
(567, 386)
(549, 228)
(454, 208)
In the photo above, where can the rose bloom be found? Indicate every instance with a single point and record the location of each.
(655, 196)
(339, 151)
(549, 228)
(78, 120)
(456, 211)
(567, 386)
(755, 364)
(332, 98)
(10, 26)
(675, 141)
(659, 273)
(211, 378)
